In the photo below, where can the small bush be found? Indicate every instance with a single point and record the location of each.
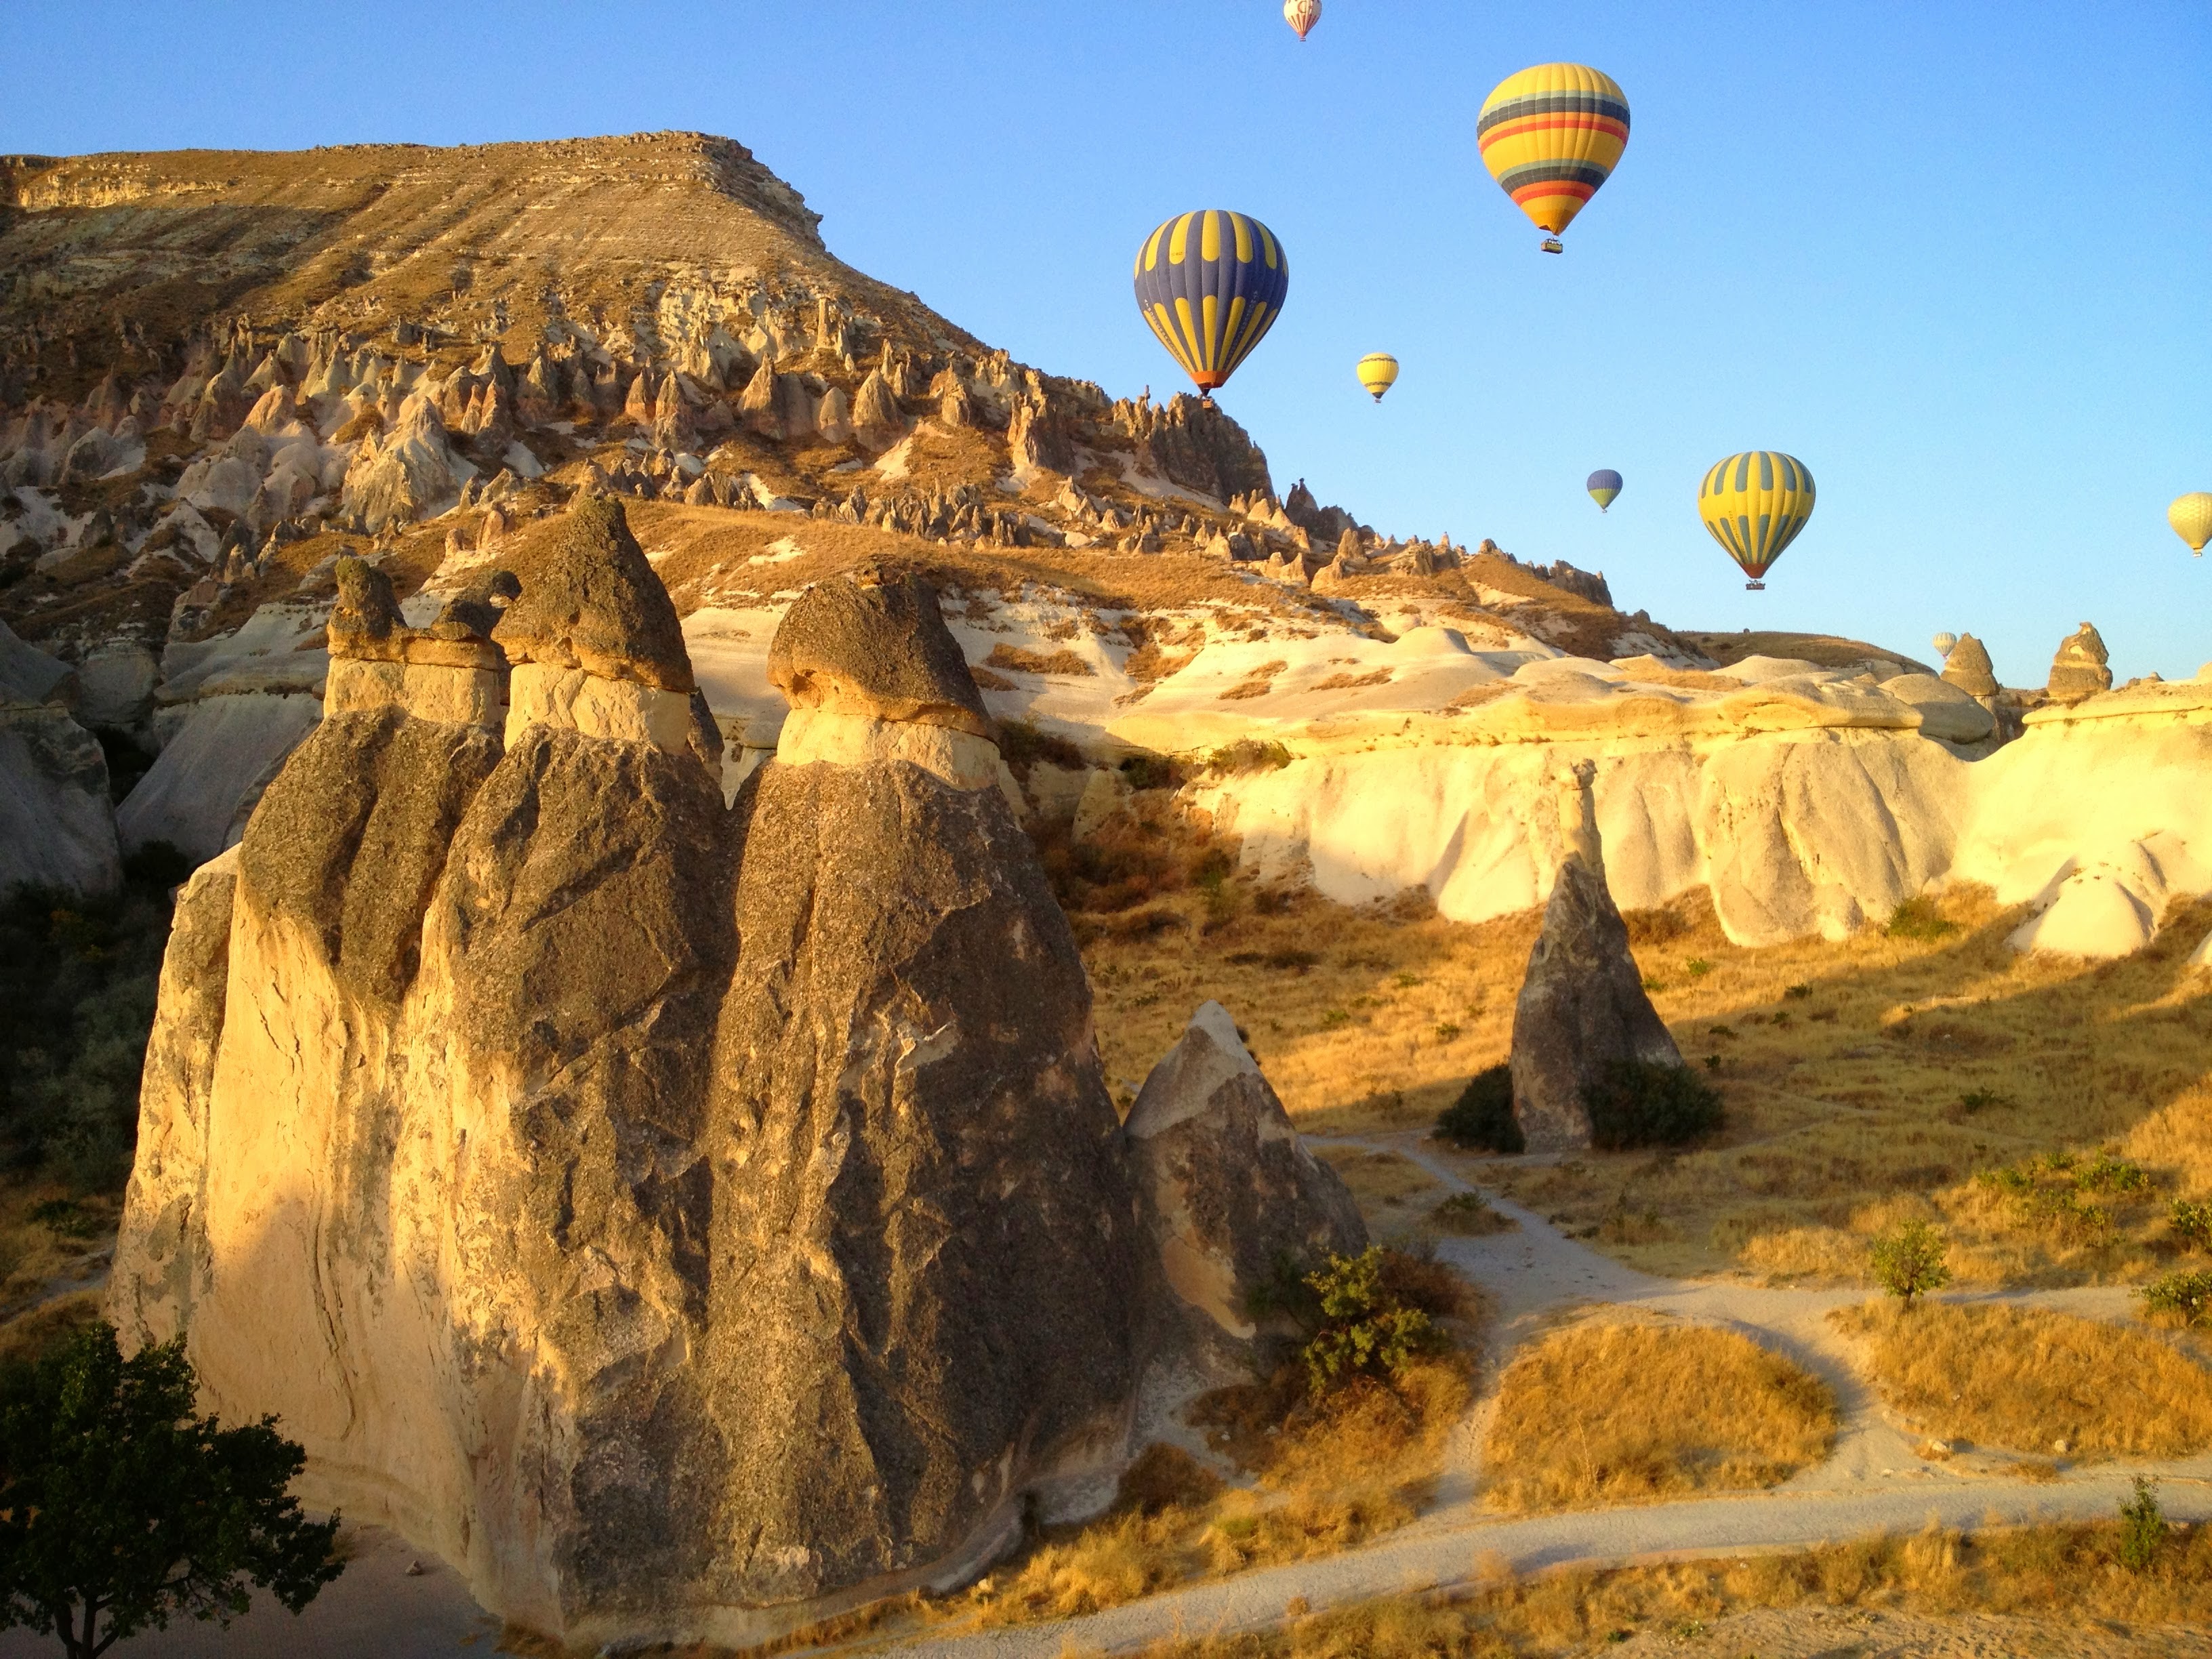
(1918, 919)
(2143, 1527)
(1481, 1119)
(1247, 755)
(66, 1218)
(1024, 746)
(1980, 1100)
(1698, 967)
(1908, 1263)
(1148, 772)
(1365, 1329)
(1447, 1030)
(1470, 1216)
(2191, 1221)
(1638, 1104)
(2185, 1297)
(1798, 992)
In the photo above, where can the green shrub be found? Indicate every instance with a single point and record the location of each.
(1148, 772)
(2185, 1296)
(78, 980)
(1481, 1119)
(1023, 744)
(1908, 1263)
(2143, 1527)
(1634, 1103)
(1698, 967)
(2191, 1221)
(1365, 1329)
(1470, 1215)
(1918, 917)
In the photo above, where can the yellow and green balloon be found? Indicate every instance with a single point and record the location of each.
(2190, 515)
(1754, 505)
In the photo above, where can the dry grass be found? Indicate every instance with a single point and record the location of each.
(1395, 1194)
(2026, 1380)
(1866, 1081)
(2048, 1584)
(1611, 1412)
(1022, 660)
(1331, 1476)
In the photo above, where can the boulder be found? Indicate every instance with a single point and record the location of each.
(1947, 710)
(2079, 670)
(57, 824)
(1226, 1189)
(590, 603)
(1582, 1006)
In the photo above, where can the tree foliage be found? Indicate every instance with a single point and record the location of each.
(120, 1508)
(1909, 1263)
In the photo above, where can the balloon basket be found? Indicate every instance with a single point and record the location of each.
(1553, 245)
(1755, 588)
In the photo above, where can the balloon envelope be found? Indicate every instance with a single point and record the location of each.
(1551, 136)
(2190, 515)
(1302, 15)
(1211, 284)
(1378, 372)
(1754, 504)
(1604, 484)
(1945, 643)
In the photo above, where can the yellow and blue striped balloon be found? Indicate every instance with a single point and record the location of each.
(1551, 136)
(1753, 505)
(1211, 284)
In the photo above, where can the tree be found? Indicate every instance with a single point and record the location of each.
(1909, 1262)
(119, 1507)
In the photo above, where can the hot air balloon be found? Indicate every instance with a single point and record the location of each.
(1378, 372)
(2190, 515)
(1945, 643)
(1302, 15)
(1753, 505)
(1604, 484)
(1551, 136)
(1211, 284)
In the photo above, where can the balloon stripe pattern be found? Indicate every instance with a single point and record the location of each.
(1211, 285)
(1302, 15)
(1754, 504)
(1551, 136)
(1378, 372)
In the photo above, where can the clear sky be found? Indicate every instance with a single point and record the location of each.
(1956, 256)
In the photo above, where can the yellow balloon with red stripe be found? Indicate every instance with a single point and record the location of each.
(1551, 136)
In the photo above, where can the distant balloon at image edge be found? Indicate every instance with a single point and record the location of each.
(2190, 515)
(1302, 15)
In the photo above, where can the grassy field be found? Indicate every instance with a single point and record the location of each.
(2027, 1380)
(1613, 1411)
(2042, 1112)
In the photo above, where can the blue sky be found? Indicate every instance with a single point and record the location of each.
(1958, 258)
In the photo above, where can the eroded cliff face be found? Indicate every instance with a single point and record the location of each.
(672, 1287)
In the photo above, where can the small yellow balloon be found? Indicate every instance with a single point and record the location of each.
(1378, 372)
(2190, 515)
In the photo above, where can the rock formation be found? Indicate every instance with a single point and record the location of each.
(1582, 1006)
(1966, 666)
(686, 1221)
(1226, 1189)
(2079, 670)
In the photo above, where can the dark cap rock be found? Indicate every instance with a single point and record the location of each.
(589, 600)
(365, 622)
(874, 643)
